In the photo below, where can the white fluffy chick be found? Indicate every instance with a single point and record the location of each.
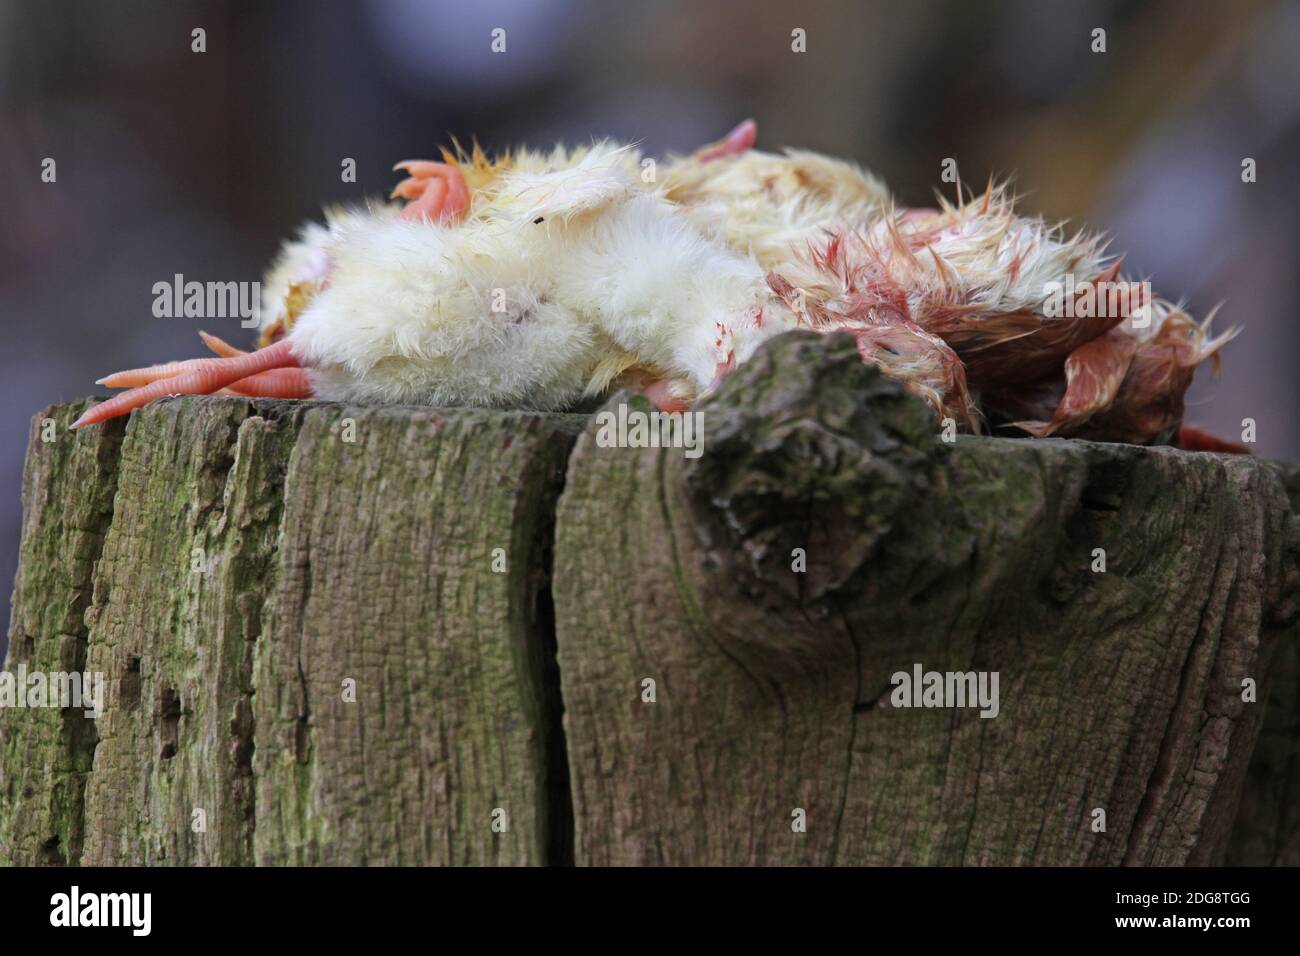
(558, 281)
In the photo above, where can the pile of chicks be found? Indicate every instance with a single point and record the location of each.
(539, 279)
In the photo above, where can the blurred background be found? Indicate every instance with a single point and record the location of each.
(171, 161)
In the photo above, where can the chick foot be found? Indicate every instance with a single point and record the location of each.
(195, 377)
(739, 140)
(434, 191)
(277, 383)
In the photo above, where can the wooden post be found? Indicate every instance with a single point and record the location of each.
(335, 635)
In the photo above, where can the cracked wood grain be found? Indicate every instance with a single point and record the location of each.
(174, 621)
(45, 755)
(1119, 691)
(409, 573)
(246, 559)
(1267, 829)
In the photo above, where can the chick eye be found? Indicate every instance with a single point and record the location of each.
(538, 220)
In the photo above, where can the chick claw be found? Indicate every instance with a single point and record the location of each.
(201, 377)
(220, 346)
(134, 378)
(435, 191)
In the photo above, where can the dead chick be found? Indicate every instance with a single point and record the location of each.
(953, 301)
(564, 275)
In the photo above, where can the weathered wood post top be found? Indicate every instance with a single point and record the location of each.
(795, 627)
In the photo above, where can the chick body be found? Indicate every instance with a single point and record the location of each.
(558, 281)
(951, 301)
(770, 206)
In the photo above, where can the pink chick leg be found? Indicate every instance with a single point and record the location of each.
(197, 377)
(739, 140)
(435, 191)
(277, 383)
